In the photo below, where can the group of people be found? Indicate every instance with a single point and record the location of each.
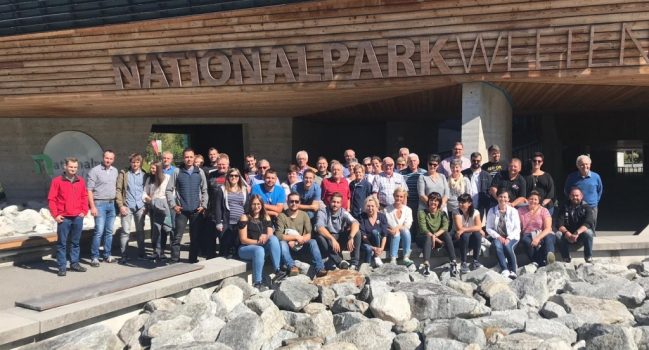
(366, 207)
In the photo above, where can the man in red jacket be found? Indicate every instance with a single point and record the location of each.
(68, 201)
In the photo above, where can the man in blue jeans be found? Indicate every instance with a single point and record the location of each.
(102, 185)
(294, 233)
(68, 203)
(576, 222)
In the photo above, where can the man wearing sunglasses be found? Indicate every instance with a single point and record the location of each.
(294, 234)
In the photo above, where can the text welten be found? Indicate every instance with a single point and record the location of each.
(238, 68)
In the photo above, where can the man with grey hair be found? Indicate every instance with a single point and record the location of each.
(589, 182)
(411, 174)
(262, 166)
(302, 159)
(458, 153)
(386, 182)
(404, 152)
(349, 155)
(168, 163)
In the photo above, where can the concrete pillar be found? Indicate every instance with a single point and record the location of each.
(486, 119)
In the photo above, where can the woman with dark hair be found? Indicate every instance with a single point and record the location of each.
(432, 182)
(257, 240)
(468, 231)
(541, 182)
(231, 199)
(536, 231)
(154, 196)
(433, 231)
(504, 228)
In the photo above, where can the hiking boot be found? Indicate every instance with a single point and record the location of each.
(94, 262)
(453, 269)
(295, 271)
(78, 268)
(61, 273)
(343, 265)
(426, 270)
(464, 268)
(475, 265)
(550, 259)
(321, 273)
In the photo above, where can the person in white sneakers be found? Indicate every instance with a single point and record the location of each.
(504, 228)
(399, 217)
(374, 230)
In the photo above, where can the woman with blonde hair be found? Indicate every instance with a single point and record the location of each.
(399, 217)
(373, 230)
(231, 199)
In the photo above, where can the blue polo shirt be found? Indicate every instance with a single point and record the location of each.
(307, 196)
(590, 185)
(275, 196)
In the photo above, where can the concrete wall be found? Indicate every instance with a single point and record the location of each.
(24, 137)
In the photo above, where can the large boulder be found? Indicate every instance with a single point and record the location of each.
(346, 320)
(435, 301)
(504, 299)
(132, 329)
(349, 304)
(466, 332)
(641, 336)
(465, 288)
(593, 273)
(162, 304)
(627, 292)
(372, 334)
(95, 337)
(245, 332)
(532, 285)
(606, 336)
(517, 341)
(228, 297)
(391, 274)
(641, 314)
(391, 307)
(595, 310)
(270, 315)
(508, 321)
(443, 343)
(406, 341)
(277, 339)
(552, 310)
(294, 293)
(341, 280)
(165, 323)
(546, 329)
(557, 275)
(317, 324)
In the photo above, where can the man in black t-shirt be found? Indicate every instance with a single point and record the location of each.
(495, 164)
(513, 182)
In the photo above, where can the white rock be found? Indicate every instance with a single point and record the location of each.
(392, 306)
(229, 296)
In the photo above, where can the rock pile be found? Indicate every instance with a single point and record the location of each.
(36, 219)
(561, 306)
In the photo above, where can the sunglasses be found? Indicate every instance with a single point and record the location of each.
(293, 202)
(368, 164)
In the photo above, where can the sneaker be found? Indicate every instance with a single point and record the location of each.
(109, 260)
(535, 264)
(123, 260)
(353, 267)
(78, 268)
(453, 269)
(94, 262)
(343, 265)
(280, 275)
(393, 261)
(295, 271)
(61, 273)
(426, 270)
(550, 258)
(505, 273)
(261, 287)
(589, 259)
(464, 268)
(377, 261)
(407, 261)
(475, 265)
(513, 275)
(322, 273)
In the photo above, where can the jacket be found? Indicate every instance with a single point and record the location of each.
(484, 179)
(222, 208)
(68, 198)
(122, 186)
(512, 222)
(573, 218)
(174, 197)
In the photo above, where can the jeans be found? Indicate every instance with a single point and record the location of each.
(585, 238)
(396, 239)
(195, 220)
(138, 217)
(342, 238)
(228, 240)
(71, 228)
(104, 222)
(373, 240)
(257, 254)
(539, 254)
(314, 251)
(159, 232)
(506, 254)
(469, 240)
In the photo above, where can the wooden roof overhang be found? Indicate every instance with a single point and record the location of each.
(310, 57)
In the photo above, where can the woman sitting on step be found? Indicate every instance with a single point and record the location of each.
(257, 240)
(399, 221)
(504, 228)
(374, 230)
(433, 231)
(468, 231)
(536, 226)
